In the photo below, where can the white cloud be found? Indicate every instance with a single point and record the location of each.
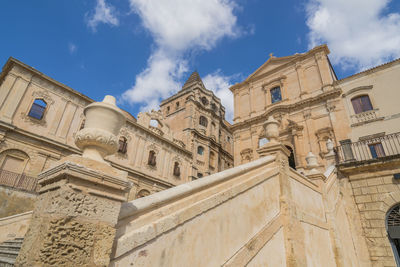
(358, 32)
(103, 13)
(220, 84)
(178, 27)
(72, 48)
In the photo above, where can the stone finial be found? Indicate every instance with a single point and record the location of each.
(311, 160)
(271, 127)
(103, 122)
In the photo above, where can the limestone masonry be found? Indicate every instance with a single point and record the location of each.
(307, 175)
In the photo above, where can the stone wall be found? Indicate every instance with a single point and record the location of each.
(375, 192)
(15, 202)
(14, 226)
(258, 214)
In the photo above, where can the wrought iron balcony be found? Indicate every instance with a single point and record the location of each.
(369, 149)
(18, 181)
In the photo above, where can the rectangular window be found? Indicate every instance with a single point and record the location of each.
(37, 111)
(361, 104)
(276, 95)
(376, 150)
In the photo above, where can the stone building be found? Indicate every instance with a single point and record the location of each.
(300, 92)
(199, 118)
(39, 118)
(370, 157)
(315, 180)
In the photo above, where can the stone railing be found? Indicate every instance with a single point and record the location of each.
(18, 181)
(156, 130)
(366, 116)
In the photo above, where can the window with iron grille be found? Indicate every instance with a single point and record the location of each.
(37, 110)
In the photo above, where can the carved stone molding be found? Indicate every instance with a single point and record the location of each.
(43, 95)
(106, 141)
(32, 121)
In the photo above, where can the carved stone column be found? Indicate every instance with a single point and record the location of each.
(73, 223)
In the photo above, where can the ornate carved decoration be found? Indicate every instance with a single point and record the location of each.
(105, 140)
(247, 155)
(125, 133)
(307, 114)
(43, 95)
(33, 121)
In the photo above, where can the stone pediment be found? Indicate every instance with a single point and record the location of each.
(271, 64)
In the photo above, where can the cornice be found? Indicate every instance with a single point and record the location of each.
(289, 108)
(13, 61)
(359, 88)
(150, 132)
(369, 71)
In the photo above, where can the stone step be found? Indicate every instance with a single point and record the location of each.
(6, 262)
(11, 243)
(8, 254)
(13, 247)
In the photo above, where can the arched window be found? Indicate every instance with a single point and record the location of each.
(200, 150)
(393, 230)
(154, 123)
(123, 144)
(199, 175)
(292, 162)
(152, 158)
(143, 193)
(168, 109)
(262, 142)
(203, 121)
(361, 104)
(177, 105)
(276, 95)
(37, 109)
(177, 169)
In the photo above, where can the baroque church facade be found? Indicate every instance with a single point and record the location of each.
(315, 177)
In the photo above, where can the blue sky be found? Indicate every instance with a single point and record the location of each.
(142, 50)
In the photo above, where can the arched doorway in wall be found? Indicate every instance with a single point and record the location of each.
(292, 162)
(393, 230)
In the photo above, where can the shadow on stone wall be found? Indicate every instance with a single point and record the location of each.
(15, 202)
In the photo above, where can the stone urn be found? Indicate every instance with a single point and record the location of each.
(329, 147)
(271, 127)
(99, 137)
(311, 160)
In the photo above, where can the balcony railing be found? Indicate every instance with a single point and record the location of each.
(369, 149)
(19, 181)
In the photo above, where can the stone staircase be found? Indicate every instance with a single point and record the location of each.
(9, 251)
